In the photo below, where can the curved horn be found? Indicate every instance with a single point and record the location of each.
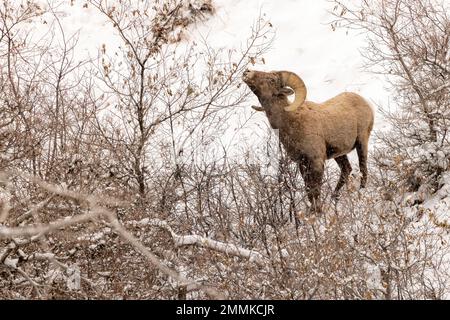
(290, 79)
(258, 108)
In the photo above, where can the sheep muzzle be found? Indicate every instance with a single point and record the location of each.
(247, 75)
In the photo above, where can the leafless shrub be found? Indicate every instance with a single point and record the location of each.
(408, 41)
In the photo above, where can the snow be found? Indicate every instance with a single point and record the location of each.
(227, 248)
(329, 61)
(304, 42)
(439, 202)
(12, 263)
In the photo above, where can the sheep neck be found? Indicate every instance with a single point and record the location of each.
(274, 108)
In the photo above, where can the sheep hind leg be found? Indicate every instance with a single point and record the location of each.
(346, 169)
(361, 149)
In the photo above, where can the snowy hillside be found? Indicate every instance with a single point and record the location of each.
(304, 42)
(329, 61)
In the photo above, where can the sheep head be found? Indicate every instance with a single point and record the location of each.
(267, 85)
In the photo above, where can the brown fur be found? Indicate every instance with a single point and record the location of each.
(316, 132)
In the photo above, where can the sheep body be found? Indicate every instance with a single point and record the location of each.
(312, 132)
(330, 129)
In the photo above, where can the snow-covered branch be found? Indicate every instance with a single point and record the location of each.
(227, 248)
(438, 89)
(128, 237)
(40, 230)
(36, 231)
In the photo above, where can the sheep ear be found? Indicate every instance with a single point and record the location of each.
(258, 108)
(286, 91)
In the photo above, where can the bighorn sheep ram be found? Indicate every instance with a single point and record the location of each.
(312, 132)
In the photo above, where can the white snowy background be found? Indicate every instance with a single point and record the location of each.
(329, 61)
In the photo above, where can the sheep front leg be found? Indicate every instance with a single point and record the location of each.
(312, 172)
